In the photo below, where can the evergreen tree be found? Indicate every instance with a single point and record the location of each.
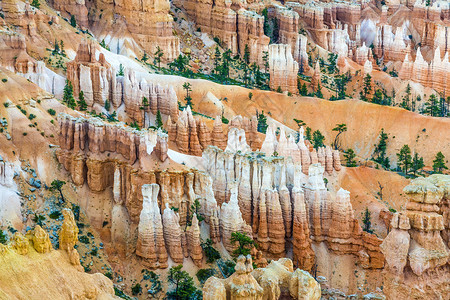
(159, 123)
(266, 61)
(210, 252)
(35, 3)
(82, 105)
(308, 134)
(63, 52)
(245, 243)
(439, 163)
(340, 128)
(217, 57)
(432, 106)
(107, 105)
(406, 98)
(404, 159)
(180, 63)
(3, 237)
(332, 58)
(262, 122)
(56, 50)
(350, 158)
(247, 55)
(73, 21)
(144, 57)
(121, 70)
(318, 139)
(279, 90)
(183, 285)
(366, 221)
(367, 88)
(158, 55)
(379, 153)
(319, 93)
(417, 163)
(303, 90)
(68, 98)
(377, 97)
(188, 98)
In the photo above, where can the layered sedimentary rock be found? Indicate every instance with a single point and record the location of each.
(150, 244)
(283, 69)
(299, 152)
(435, 74)
(277, 280)
(417, 249)
(418, 229)
(173, 234)
(26, 260)
(240, 285)
(97, 79)
(161, 146)
(68, 237)
(237, 141)
(231, 219)
(194, 242)
(130, 18)
(266, 204)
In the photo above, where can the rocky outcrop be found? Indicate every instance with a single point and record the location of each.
(434, 74)
(29, 259)
(416, 249)
(130, 19)
(173, 234)
(99, 83)
(150, 244)
(41, 240)
(161, 146)
(299, 152)
(194, 242)
(415, 238)
(309, 213)
(68, 237)
(278, 280)
(237, 141)
(240, 285)
(283, 69)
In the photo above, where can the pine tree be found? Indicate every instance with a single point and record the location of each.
(73, 22)
(184, 287)
(439, 163)
(144, 57)
(68, 98)
(159, 123)
(35, 3)
(417, 163)
(107, 105)
(188, 98)
(366, 221)
(217, 57)
(404, 159)
(82, 105)
(319, 93)
(340, 128)
(247, 55)
(367, 87)
(304, 90)
(158, 55)
(266, 61)
(350, 158)
(121, 71)
(262, 122)
(379, 154)
(318, 139)
(432, 106)
(308, 134)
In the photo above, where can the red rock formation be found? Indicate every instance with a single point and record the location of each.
(194, 242)
(150, 243)
(283, 69)
(173, 235)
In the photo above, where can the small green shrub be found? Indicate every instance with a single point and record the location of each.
(4, 80)
(83, 239)
(51, 111)
(136, 289)
(31, 116)
(6, 104)
(55, 215)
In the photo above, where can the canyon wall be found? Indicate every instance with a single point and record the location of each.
(279, 202)
(417, 247)
(131, 19)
